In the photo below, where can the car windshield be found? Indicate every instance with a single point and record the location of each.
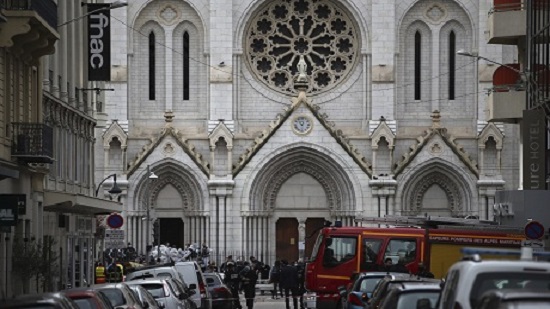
(115, 296)
(420, 298)
(368, 285)
(155, 289)
(212, 280)
(85, 303)
(528, 304)
(508, 280)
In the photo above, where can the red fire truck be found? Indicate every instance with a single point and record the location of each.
(434, 241)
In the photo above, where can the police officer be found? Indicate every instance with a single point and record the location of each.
(301, 282)
(232, 280)
(100, 273)
(289, 283)
(249, 277)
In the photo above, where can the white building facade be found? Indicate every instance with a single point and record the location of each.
(392, 120)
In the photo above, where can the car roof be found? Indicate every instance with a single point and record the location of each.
(108, 285)
(42, 298)
(501, 265)
(381, 273)
(147, 280)
(517, 294)
(420, 285)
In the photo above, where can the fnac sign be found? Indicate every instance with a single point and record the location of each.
(99, 42)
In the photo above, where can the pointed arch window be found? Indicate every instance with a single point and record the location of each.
(452, 66)
(185, 66)
(417, 65)
(151, 65)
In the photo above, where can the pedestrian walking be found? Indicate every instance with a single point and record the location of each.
(249, 277)
(228, 259)
(274, 277)
(205, 255)
(289, 283)
(232, 280)
(301, 266)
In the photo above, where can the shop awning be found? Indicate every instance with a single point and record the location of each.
(79, 204)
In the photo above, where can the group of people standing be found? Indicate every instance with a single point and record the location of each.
(241, 277)
(287, 279)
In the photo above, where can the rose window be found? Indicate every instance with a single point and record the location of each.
(284, 30)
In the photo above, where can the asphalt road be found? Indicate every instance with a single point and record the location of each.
(265, 302)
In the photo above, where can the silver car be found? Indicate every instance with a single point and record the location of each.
(166, 292)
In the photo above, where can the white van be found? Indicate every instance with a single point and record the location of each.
(192, 274)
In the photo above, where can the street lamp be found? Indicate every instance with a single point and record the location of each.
(114, 190)
(115, 5)
(151, 176)
(463, 52)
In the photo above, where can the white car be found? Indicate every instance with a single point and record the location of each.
(469, 279)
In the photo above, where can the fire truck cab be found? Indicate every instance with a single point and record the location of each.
(339, 252)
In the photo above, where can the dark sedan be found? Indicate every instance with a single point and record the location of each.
(87, 298)
(220, 293)
(40, 301)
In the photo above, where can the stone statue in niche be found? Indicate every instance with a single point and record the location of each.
(302, 70)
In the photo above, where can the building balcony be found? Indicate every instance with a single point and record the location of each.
(32, 142)
(30, 27)
(507, 22)
(506, 106)
(507, 99)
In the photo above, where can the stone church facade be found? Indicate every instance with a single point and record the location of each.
(254, 149)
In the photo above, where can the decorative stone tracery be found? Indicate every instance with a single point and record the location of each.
(283, 31)
(322, 176)
(170, 173)
(444, 182)
(335, 183)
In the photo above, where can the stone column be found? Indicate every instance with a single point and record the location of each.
(221, 61)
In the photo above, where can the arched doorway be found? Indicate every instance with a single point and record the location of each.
(171, 231)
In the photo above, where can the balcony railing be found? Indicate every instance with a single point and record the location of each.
(47, 9)
(32, 142)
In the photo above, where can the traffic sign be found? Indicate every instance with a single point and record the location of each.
(114, 239)
(534, 230)
(115, 221)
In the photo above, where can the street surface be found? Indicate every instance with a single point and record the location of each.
(265, 302)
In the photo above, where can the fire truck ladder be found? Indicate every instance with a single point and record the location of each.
(433, 222)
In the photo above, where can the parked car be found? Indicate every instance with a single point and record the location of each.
(515, 299)
(88, 298)
(467, 280)
(45, 300)
(360, 290)
(120, 295)
(166, 292)
(194, 278)
(147, 300)
(385, 284)
(412, 295)
(153, 271)
(220, 293)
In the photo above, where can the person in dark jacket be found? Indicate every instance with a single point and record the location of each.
(249, 277)
(400, 267)
(289, 283)
(423, 272)
(232, 280)
(274, 277)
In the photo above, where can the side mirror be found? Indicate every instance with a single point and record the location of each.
(192, 286)
(161, 304)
